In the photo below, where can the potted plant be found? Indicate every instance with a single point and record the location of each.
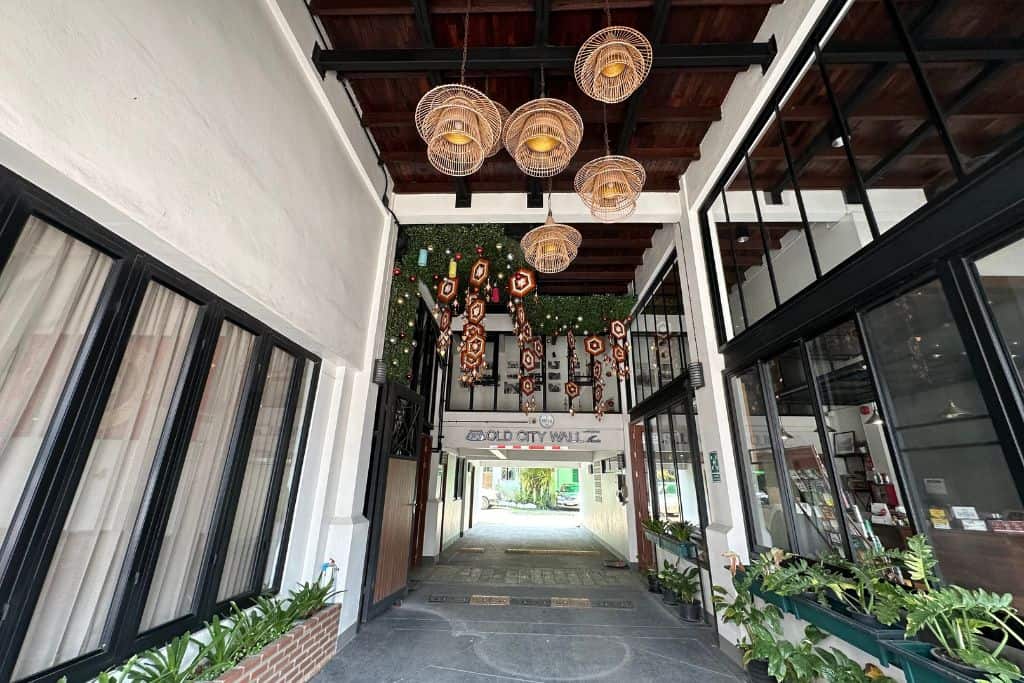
(956, 618)
(668, 577)
(761, 626)
(688, 589)
(653, 585)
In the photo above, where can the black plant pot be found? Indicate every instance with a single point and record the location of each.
(668, 596)
(653, 585)
(691, 611)
(865, 619)
(757, 672)
(939, 655)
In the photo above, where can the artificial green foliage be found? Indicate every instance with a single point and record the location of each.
(555, 315)
(956, 617)
(228, 642)
(443, 242)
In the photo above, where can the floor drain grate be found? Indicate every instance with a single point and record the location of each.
(490, 600)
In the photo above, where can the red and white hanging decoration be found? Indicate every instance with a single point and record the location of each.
(618, 330)
(572, 387)
(595, 346)
(473, 348)
(447, 293)
(521, 284)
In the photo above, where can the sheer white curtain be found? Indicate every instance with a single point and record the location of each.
(289, 472)
(76, 598)
(173, 590)
(48, 293)
(237, 577)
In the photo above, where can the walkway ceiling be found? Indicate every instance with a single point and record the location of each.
(393, 51)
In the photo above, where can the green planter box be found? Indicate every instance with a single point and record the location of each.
(779, 601)
(862, 636)
(918, 666)
(651, 536)
(684, 549)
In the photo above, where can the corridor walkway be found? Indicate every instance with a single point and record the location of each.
(487, 615)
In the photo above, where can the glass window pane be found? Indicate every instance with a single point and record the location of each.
(897, 149)
(876, 513)
(839, 225)
(277, 532)
(79, 588)
(686, 477)
(758, 465)
(733, 241)
(1002, 277)
(173, 592)
(48, 292)
(780, 214)
(665, 468)
(237, 576)
(947, 441)
(815, 516)
(654, 457)
(747, 251)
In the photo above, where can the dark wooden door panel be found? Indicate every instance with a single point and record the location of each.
(396, 529)
(641, 503)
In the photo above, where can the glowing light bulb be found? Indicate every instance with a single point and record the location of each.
(613, 69)
(542, 144)
(457, 138)
(613, 189)
(549, 248)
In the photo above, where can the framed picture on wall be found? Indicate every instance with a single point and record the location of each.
(844, 443)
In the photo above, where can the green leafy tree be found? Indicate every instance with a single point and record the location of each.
(537, 485)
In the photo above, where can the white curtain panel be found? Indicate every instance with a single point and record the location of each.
(76, 599)
(173, 590)
(238, 575)
(48, 293)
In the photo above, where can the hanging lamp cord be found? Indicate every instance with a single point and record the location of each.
(607, 142)
(465, 44)
(550, 183)
(607, 12)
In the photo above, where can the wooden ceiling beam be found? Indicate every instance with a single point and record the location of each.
(348, 8)
(604, 275)
(686, 114)
(652, 153)
(620, 259)
(582, 288)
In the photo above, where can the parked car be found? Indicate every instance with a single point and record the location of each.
(568, 496)
(488, 497)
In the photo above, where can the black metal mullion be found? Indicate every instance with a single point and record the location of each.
(811, 381)
(675, 460)
(741, 456)
(844, 132)
(934, 108)
(765, 242)
(993, 372)
(796, 190)
(277, 474)
(293, 490)
(779, 454)
(35, 530)
(652, 475)
(735, 267)
(231, 484)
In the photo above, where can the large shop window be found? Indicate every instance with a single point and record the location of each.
(854, 141)
(658, 335)
(677, 492)
(949, 445)
(150, 443)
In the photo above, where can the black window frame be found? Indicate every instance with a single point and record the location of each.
(56, 474)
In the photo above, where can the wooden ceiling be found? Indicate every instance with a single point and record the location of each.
(972, 55)
(385, 48)
(606, 263)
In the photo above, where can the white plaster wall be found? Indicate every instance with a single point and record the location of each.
(606, 519)
(452, 523)
(192, 129)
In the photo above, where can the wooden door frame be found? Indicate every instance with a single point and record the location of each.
(380, 455)
(422, 491)
(645, 553)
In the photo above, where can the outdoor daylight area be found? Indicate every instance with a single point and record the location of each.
(511, 341)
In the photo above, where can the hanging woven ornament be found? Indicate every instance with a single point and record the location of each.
(618, 330)
(572, 387)
(473, 349)
(521, 284)
(595, 346)
(447, 291)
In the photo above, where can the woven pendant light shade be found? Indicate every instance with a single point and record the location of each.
(499, 139)
(610, 185)
(460, 126)
(612, 63)
(551, 247)
(542, 135)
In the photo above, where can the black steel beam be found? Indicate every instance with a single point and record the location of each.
(542, 12)
(629, 119)
(412, 60)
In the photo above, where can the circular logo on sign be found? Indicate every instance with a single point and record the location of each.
(547, 421)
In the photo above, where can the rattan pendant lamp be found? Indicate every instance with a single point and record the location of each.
(612, 63)
(460, 124)
(543, 134)
(551, 247)
(610, 185)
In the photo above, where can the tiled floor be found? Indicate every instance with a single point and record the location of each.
(550, 617)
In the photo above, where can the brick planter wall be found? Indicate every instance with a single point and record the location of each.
(296, 656)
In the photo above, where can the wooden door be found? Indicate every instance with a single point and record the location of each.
(641, 502)
(396, 530)
(422, 489)
(391, 497)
